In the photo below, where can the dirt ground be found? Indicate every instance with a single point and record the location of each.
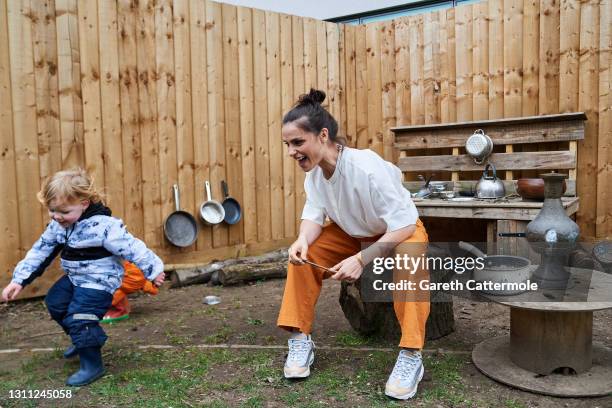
(247, 315)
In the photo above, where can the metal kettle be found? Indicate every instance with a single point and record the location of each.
(490, 186)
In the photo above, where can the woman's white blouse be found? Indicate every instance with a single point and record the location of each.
(364, 196)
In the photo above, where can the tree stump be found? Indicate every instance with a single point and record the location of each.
(378, 318)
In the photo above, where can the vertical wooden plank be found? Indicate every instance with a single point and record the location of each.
(603, 224)
(69, 83)
(496, 59)
(361, 82)
(417, 115)
(262, 159)
(147, 107)
(432, 61)
(350, 89)
(287, 98)
(588, 101)
(90, 88)
(110, 106)
(9, 205)
(128, 80)
(480, 61)
(333, 70)
(310, 53)
(452, 72)
(24, 121)
(342, 123)
(216, 114)
(549, 57)
(531, 58)
(231, 84)
(513, 63)
(47, 93)
(463, 30)
(569, 55)
(402, 71)
(247, 123)
(513, 57)
(447, 71)
(184, 117)
(199, 103)
(274, 118)
(387, 70)
(322, 67)
(166, 107)
(299, 88)
(374, 84)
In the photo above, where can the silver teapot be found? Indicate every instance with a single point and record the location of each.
(490, 186)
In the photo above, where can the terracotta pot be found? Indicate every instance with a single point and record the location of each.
(532, 188)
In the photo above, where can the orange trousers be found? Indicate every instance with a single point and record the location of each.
(133, 281)
(304, 283)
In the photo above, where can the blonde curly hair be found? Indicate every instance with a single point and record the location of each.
(69, 185)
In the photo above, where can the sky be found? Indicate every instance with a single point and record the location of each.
(319, 9)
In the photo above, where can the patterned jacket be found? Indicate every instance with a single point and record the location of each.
(92, 250)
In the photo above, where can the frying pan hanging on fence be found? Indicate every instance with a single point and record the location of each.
(180, 227)
(233, 212)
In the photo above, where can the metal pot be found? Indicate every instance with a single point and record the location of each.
(500, 269)
(479, 146)
(490, 186)
(211, 211)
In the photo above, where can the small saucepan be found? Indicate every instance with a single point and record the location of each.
(211, 211)
(180, 228)
(500, 269)
(233, 212)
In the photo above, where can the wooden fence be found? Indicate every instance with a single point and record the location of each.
(145, 94)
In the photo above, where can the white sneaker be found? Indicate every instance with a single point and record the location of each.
(406, 375)
(300, 357)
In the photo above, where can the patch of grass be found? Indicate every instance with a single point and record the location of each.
(254, 322)
(254, 402)
(248, 337)
(447, 379)
(353, 339)
(221, 336)
(511, 403)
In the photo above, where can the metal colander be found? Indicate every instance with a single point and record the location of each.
(479, 146)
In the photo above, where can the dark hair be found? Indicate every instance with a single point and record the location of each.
(310, 116)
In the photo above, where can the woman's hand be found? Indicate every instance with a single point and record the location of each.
(159, 279)
(298, 251)
(349, 270)
(11, 291)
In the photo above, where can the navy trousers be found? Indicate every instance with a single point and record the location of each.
(79, 310)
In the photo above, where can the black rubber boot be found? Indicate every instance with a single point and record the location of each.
(71, 352)
(92, 367)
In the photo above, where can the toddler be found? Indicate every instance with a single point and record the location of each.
(92, 246)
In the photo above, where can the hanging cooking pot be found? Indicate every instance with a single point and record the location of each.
(479, 146)
(211, 211)
(231, 206)
(180, 228)
(490, 186)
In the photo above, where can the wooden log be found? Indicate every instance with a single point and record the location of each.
(194, 274)
(378, 318)
(243, 273)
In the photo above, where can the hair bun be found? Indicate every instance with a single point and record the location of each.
(314, 97)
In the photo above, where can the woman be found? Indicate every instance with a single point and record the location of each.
(363, 196)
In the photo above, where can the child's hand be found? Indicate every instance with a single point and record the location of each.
(159, 280)
(11, 291)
